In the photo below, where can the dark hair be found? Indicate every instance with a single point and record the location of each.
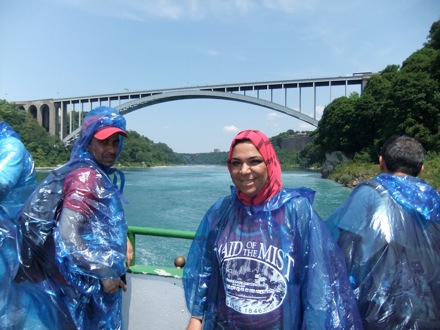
(403, 154)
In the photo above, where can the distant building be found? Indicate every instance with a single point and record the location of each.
(216, 150)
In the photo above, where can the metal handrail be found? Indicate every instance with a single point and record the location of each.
(150, 231)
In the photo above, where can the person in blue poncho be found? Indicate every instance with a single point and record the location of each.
(389, 232)
(17, 181)
(262, 258)
(73, 231)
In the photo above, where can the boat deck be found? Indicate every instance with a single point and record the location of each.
(154, 302)
(155, 298)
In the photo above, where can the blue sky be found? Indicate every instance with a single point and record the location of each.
(69, 48)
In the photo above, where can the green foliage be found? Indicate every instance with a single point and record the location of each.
(362, 157)
(337, 127)
(432, 171)
(420, 61)
(288, 159)
(434, 36)
(50, 151)
(434, 43)
(351, 173)
(311, 156)
(401, 100)
(208, 158)
(46, 150)
(141, 151)
(412, 108)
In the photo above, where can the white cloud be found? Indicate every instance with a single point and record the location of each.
(130, 9)
(230, 128)
(194, 10)
(289, 6)
(319, 111)
(273, 116)
(209, 52)
(306, 127)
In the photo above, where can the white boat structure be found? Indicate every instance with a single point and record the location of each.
(155, 298)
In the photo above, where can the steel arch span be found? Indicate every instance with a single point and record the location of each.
(197, 94)
(65, 114)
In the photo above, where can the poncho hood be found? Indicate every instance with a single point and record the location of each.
(95, 120)
(7, 131)
(413, 194)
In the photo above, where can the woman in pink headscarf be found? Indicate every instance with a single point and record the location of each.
(262, 258)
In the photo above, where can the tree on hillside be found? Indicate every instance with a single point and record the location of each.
(139, 150)
(422, 60)
(47, 150)
(401, 100)
(413, 109)
(434, 43)
(336, 127)
(434, 36)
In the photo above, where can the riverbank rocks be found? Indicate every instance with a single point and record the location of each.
(331, 160)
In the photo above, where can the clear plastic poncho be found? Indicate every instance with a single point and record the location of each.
(272, 266)
(73, 234)
(17, 181)
(389, 232)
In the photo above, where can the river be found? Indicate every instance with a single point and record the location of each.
(177, 197)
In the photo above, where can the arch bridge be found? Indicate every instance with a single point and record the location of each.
(63, 117)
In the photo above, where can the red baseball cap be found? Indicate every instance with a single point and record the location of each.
(105, 132)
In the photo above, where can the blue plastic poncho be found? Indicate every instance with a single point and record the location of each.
(262, 258)
(74, 234)
(17, 172)
(17, 180)
(389, 231)
(272, 266)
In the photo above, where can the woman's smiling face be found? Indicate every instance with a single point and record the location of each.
(248, 169)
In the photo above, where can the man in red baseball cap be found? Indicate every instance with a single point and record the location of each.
(105, 132)
(84, 270)
(104, 146)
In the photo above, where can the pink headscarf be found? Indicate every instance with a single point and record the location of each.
(273, 184)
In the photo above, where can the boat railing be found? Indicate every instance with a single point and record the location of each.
(152, 269)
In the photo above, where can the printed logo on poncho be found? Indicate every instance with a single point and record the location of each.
(254, 276)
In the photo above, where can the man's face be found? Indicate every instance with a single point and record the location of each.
(105, 151)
